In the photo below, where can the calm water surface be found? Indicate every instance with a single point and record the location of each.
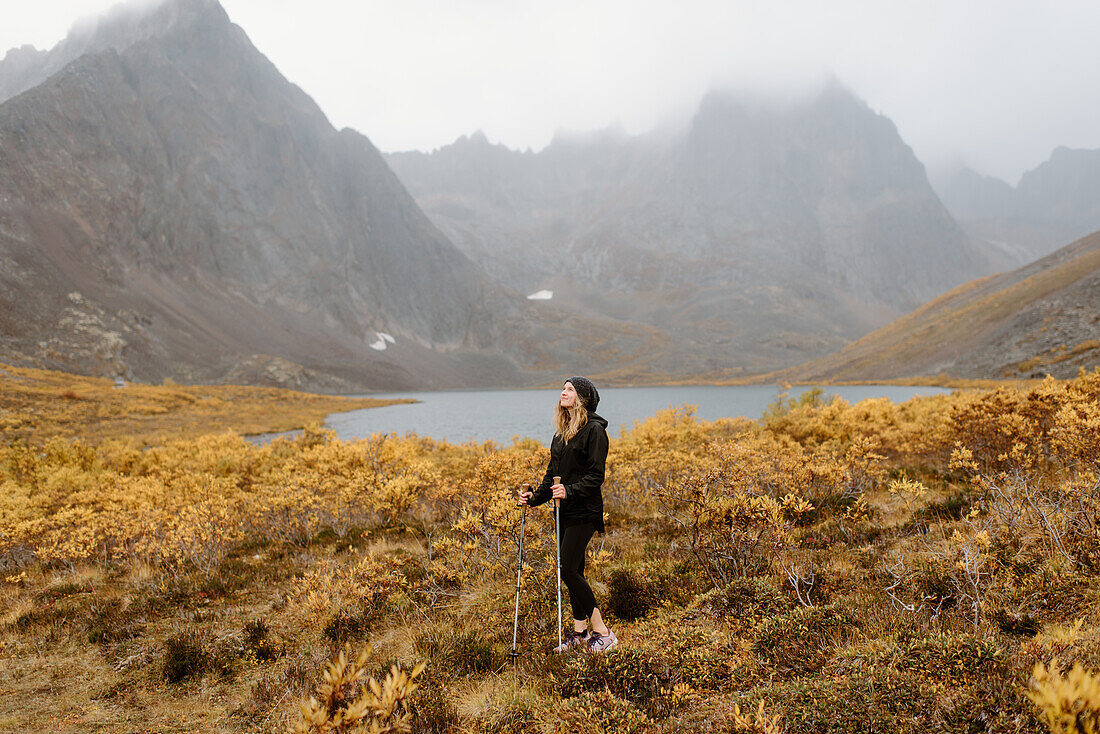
(502, 415)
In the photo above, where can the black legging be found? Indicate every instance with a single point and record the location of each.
(574, 542)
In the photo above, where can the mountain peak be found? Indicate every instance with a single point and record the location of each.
(21, 52)
(826, 90)
(223, 208)
(131, 22)
(119, 28)
(613, 134)
(476, 141)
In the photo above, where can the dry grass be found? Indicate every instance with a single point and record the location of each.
(84, 642)
(40, 404)
(1053, 357)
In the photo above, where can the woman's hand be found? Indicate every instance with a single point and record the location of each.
(523, 497)
(558, 491)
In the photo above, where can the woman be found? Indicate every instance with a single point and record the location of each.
(578, 453)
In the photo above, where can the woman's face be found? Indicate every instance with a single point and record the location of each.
(568, 396)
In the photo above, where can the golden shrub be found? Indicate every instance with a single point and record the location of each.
(348, 701)
(330, 589)
(1070, 703)
(756, 722)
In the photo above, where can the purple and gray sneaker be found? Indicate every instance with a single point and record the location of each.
(602, 643)
(571, 641)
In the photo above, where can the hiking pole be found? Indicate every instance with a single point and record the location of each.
(557, 543)
(519, 576)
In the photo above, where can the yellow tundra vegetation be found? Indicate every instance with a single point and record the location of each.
(878, 567)
(36, 404)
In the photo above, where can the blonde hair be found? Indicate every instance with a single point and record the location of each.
(569, 421)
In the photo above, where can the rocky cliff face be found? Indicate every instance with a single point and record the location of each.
(1055, 203)
(20, 69)
(827, 188)
(171, 206)
(1065, 188)
(762, 233)
(511, 211)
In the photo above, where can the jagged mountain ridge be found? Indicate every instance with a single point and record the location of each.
(1043, 318)
(122, 26)
(826, 185)
(823, 183)
(171, 206)
(762, 234)
(1056, 202)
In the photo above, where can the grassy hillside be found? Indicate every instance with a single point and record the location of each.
(1038, 319)
(875, 567)
(39, 404)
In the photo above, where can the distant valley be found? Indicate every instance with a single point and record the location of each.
(1040, 319)
(1053, 204)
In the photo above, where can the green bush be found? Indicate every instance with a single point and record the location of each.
(744, 603)
(627, 598)
(798, 642)
(345, 627)
(184, 658)
(457, 653)
(949, 658)
(637, 675)
(596, 712)
(257, 640)
(881, 702)
(433, 710)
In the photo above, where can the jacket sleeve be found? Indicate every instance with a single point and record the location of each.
(595, 450)
(542, 494)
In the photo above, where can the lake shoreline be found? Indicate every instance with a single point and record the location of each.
(939, 381)
(505, 415)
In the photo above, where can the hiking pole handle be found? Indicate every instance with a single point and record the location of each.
(557, 502)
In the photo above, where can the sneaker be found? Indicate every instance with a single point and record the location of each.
(602, 643)
(572, 640)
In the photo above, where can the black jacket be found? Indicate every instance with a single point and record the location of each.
(580, 464)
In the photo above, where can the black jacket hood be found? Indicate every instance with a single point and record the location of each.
(597, 418)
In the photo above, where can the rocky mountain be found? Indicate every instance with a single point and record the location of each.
(760, 234)
(969, 195)
(503, 207)
(1055, 203)
(20, 69)
(1040, 319)
(171, 206)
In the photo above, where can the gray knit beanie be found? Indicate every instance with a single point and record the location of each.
(586, 391)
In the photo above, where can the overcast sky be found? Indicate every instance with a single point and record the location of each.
(994, 84)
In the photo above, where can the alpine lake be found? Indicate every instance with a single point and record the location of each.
(502, 416)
